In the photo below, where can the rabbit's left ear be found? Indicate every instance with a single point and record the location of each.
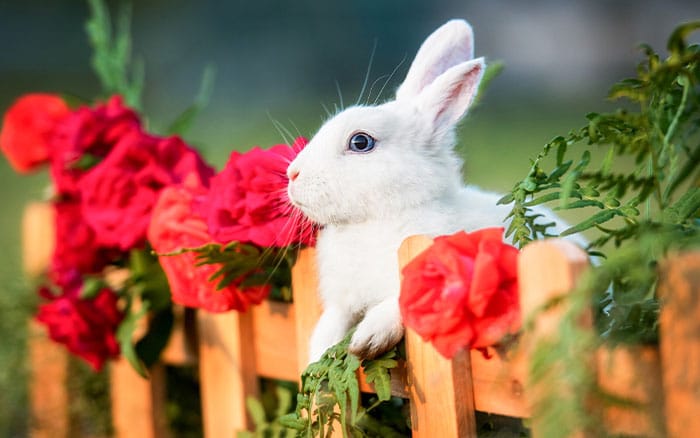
(447, 99)
(451, 44)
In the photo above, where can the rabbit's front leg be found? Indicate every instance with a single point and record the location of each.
(379, 330)
(330, 329)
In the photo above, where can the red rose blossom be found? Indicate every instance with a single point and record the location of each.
(75, 248)
(248, 200)
(27, 129)
(86, 326)
(119, 193)
(175, 225)
(462, 291)
(87, 136)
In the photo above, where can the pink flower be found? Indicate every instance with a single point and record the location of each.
(119, 193)
(174, 226)
(87, 327)
(462, 292)
(28, 127)
(248, 200)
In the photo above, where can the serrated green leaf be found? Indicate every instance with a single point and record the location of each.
(596, 219)
(543, 199)
(292, 421)
(507, 199)
(581, 204)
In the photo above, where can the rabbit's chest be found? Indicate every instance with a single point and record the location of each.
(358, 265)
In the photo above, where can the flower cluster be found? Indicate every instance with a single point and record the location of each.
(118, 189)
(462, 292)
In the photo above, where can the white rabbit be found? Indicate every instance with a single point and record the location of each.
(374, 175)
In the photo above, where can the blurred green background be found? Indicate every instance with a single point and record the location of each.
(284, 61)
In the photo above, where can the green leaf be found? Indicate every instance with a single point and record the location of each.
(152, 344)
(687, 206)
(125, 334)
(507, 199)
(378, 372)
(676, 42)
(581, 204)
(256, 411)
(183, 122)
(112, 53)
(543, 199)
(292, 421)
(596, 219)
(91, 287)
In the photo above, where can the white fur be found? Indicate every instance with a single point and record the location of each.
(409, 184)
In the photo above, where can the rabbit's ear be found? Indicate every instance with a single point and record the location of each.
(448, 97)
(449, 45)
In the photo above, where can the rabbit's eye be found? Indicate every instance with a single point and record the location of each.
(361, 142)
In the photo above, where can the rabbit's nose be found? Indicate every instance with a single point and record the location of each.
(292, 174)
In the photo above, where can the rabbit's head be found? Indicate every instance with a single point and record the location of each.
(372, 162)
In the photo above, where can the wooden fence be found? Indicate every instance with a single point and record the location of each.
(232, 350)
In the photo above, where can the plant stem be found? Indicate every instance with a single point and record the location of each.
(669, 135)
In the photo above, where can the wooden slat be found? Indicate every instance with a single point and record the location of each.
(499, 384)
(226, 370)
(680, 343)
(547, 270)
(182, 345)
(307, 303)
(138, 404)
(48, 363)
(37, 237)
(632, 374)
(442, 398)
(274, 332)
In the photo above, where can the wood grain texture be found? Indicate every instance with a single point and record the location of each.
(633, 374)
(307, 303)
(48, 362)
(226, 370)
(274, 332)
(441, 392)
(547, 270)
(138, 404)
(679, 344)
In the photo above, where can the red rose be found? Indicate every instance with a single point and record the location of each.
(86, 326)
(119, 193)
(86, 137)
(462, 291)
(75, 247)
(248, 200)
(28, 127)
(174, 225)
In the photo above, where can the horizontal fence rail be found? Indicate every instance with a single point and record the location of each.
(233, 350)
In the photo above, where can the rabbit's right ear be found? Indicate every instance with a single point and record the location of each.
(449, 45)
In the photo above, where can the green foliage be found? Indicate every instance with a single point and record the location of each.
(253, 264)
(147, 295)
(111, 57)
(183, 122)
(330, 395)
(658, 134)
(640, 217)
(269, 426)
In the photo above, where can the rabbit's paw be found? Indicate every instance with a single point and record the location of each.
(378, 332)
(330, 329)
